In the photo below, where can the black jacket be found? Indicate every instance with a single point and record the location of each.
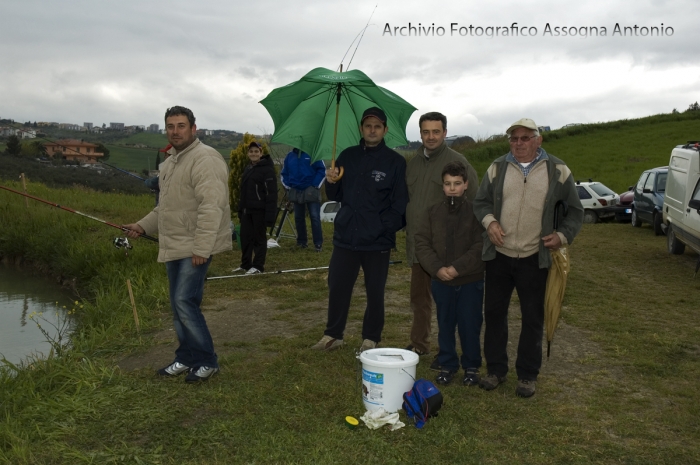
(373, 195)
(259, 189)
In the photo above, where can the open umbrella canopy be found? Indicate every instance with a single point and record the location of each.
(305, 112)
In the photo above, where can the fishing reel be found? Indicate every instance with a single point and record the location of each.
(122, 243)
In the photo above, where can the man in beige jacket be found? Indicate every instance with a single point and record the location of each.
(192, 221)
(424, 180)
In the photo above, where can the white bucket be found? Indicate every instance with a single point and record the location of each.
(387, 374)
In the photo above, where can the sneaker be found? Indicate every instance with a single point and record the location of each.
(253, 270)
(201, 374)
(367, 344)
(445, 377)
(174, 369)
(526, 388)
(238, 270)
(319, 249)
(491, 382)
(302, 246)
(471, 377)
(328, 343)
(411, 348)
(435, 366)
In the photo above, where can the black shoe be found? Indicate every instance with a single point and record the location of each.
(435, 366)
(445, 377)
(319, 249)
(201, 374)
(412, 348)
(471, 377)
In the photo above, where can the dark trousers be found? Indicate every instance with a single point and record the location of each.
(342, 273)
(422, 308)
(503, 274)
(253, 239)
(459, 307)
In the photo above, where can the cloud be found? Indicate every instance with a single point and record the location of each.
(128, 61)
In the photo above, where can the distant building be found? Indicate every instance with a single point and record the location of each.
(7, 131)
(116, 126)
(28, 133)
(204, 132)
(543, 128)
(87, 126)
(77, 150)
(69, 126)
(153, 128)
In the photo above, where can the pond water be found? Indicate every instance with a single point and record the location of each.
(21, 295)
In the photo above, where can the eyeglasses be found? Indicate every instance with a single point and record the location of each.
(514, 140)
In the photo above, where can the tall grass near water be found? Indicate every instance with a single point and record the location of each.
(80, 252)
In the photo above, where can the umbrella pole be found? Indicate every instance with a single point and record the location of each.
(335, 134)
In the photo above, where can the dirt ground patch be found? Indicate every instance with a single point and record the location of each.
(238, 324)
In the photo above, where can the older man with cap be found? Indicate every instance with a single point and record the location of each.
(515, 204)
(373, 195)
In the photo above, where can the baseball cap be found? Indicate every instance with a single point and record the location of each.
(376, 112)
(255, 144)
(522, 122)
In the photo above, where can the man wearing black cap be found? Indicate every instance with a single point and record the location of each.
(373, 195)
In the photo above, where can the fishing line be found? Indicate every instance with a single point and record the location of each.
(279, 272)
(360, 35)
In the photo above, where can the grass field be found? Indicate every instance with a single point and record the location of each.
(620, 386)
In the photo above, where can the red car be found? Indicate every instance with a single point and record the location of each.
(626, 199)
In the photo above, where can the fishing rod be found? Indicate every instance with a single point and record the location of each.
(117, 242)
(123, 171)
(279, 272)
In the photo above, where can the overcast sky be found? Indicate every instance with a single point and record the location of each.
(85, 61)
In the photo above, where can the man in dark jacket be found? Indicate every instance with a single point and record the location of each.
(257, 208)
(303, 181)
(374, 197)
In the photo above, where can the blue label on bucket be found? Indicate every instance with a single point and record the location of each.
(371, 377)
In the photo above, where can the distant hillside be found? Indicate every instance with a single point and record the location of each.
(614, 153)
(67, 175)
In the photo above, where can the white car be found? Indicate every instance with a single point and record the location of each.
(329, 210)
(598, 201)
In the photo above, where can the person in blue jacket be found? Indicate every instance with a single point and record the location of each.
(374, 196)
(303, 180)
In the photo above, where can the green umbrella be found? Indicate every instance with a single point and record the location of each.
(320, 113)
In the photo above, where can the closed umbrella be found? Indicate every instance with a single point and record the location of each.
(556, 282)
(320, 113)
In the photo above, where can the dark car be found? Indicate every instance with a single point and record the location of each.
(626, 206)
(649, 198)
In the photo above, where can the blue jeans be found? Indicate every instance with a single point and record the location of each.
(186, 289)
(300, 222)
(460, 307)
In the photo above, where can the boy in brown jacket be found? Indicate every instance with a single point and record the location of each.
(448, 247)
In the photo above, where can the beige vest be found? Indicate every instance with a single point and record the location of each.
(521, 213)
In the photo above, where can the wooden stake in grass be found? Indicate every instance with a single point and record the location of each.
(133, 306)
(24, 186)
